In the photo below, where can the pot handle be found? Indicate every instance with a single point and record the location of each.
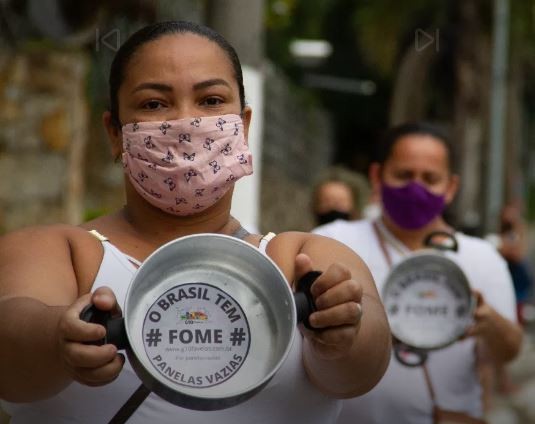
(450, 244)
(409, 356)
(115, 328)
(304, 302)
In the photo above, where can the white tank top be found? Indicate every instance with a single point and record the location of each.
(288, 398)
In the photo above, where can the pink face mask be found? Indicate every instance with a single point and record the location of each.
(187, 165)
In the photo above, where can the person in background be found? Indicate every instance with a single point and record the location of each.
(513, 246)
(179, 122)
(415, 179)
(339, 194)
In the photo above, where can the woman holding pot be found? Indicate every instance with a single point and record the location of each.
(179, 122)
(415, 178)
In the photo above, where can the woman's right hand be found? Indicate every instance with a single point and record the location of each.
(89, 364)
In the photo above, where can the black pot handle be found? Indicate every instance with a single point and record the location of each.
(409, 356)
(115, 328)
(451, 244)
(304, 302)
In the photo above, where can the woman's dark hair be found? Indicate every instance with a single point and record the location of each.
(394, 134)
(154, 32)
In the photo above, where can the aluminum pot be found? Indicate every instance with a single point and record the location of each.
(428, 300)
(208, 320)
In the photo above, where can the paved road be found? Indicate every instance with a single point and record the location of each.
(518, 407)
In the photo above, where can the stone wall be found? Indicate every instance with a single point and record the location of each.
(55, 164)
(43, 131)
(297, 146)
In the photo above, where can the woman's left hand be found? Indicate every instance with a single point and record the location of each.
(484, 318)
(339, 311)
(502, 337)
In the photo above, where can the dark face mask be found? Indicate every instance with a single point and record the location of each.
(412, 206)
(325, 218)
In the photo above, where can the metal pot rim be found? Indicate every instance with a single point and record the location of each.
(184, 398)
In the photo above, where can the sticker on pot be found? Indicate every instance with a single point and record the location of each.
(196, 335)
(426, 308)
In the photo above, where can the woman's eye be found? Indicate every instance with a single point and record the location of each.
(212, 101)
(153, 105)
(403, 175)
(432, 179)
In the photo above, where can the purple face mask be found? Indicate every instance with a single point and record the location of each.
(411, 206)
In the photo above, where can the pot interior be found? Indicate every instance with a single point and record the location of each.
(428, 301)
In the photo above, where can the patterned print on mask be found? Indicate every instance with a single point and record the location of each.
(176, 164)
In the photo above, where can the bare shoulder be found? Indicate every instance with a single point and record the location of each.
(44, 262)
(295, 241)
(289, 243)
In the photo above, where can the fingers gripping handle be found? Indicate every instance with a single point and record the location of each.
(304, 302)
(115, 329)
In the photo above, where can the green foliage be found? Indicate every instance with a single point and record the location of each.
(379, 34)
(90, 214)
(522, 30)
(279, 14)
(303, 18)
(530, 202)
(287, 20)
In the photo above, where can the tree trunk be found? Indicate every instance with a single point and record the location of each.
(515, 162)
(75, 192)
(242, 24)
(409, 94)
(472, 65)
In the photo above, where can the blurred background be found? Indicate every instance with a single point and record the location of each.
(327, 75)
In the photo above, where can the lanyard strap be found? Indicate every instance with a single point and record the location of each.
(240, 233)
(382, 244)
(130, 406)
(429, 384)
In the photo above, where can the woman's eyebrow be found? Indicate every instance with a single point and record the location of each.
(153, 86)
(210, 83)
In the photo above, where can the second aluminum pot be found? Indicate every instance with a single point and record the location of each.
(428, 300)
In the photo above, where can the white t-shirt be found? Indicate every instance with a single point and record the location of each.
(402, 395)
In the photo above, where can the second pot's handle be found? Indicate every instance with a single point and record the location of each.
(304, 302)
(441, 240)
(409, 356)
(115, 328)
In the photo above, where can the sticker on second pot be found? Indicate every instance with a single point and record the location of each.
(196, 335)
